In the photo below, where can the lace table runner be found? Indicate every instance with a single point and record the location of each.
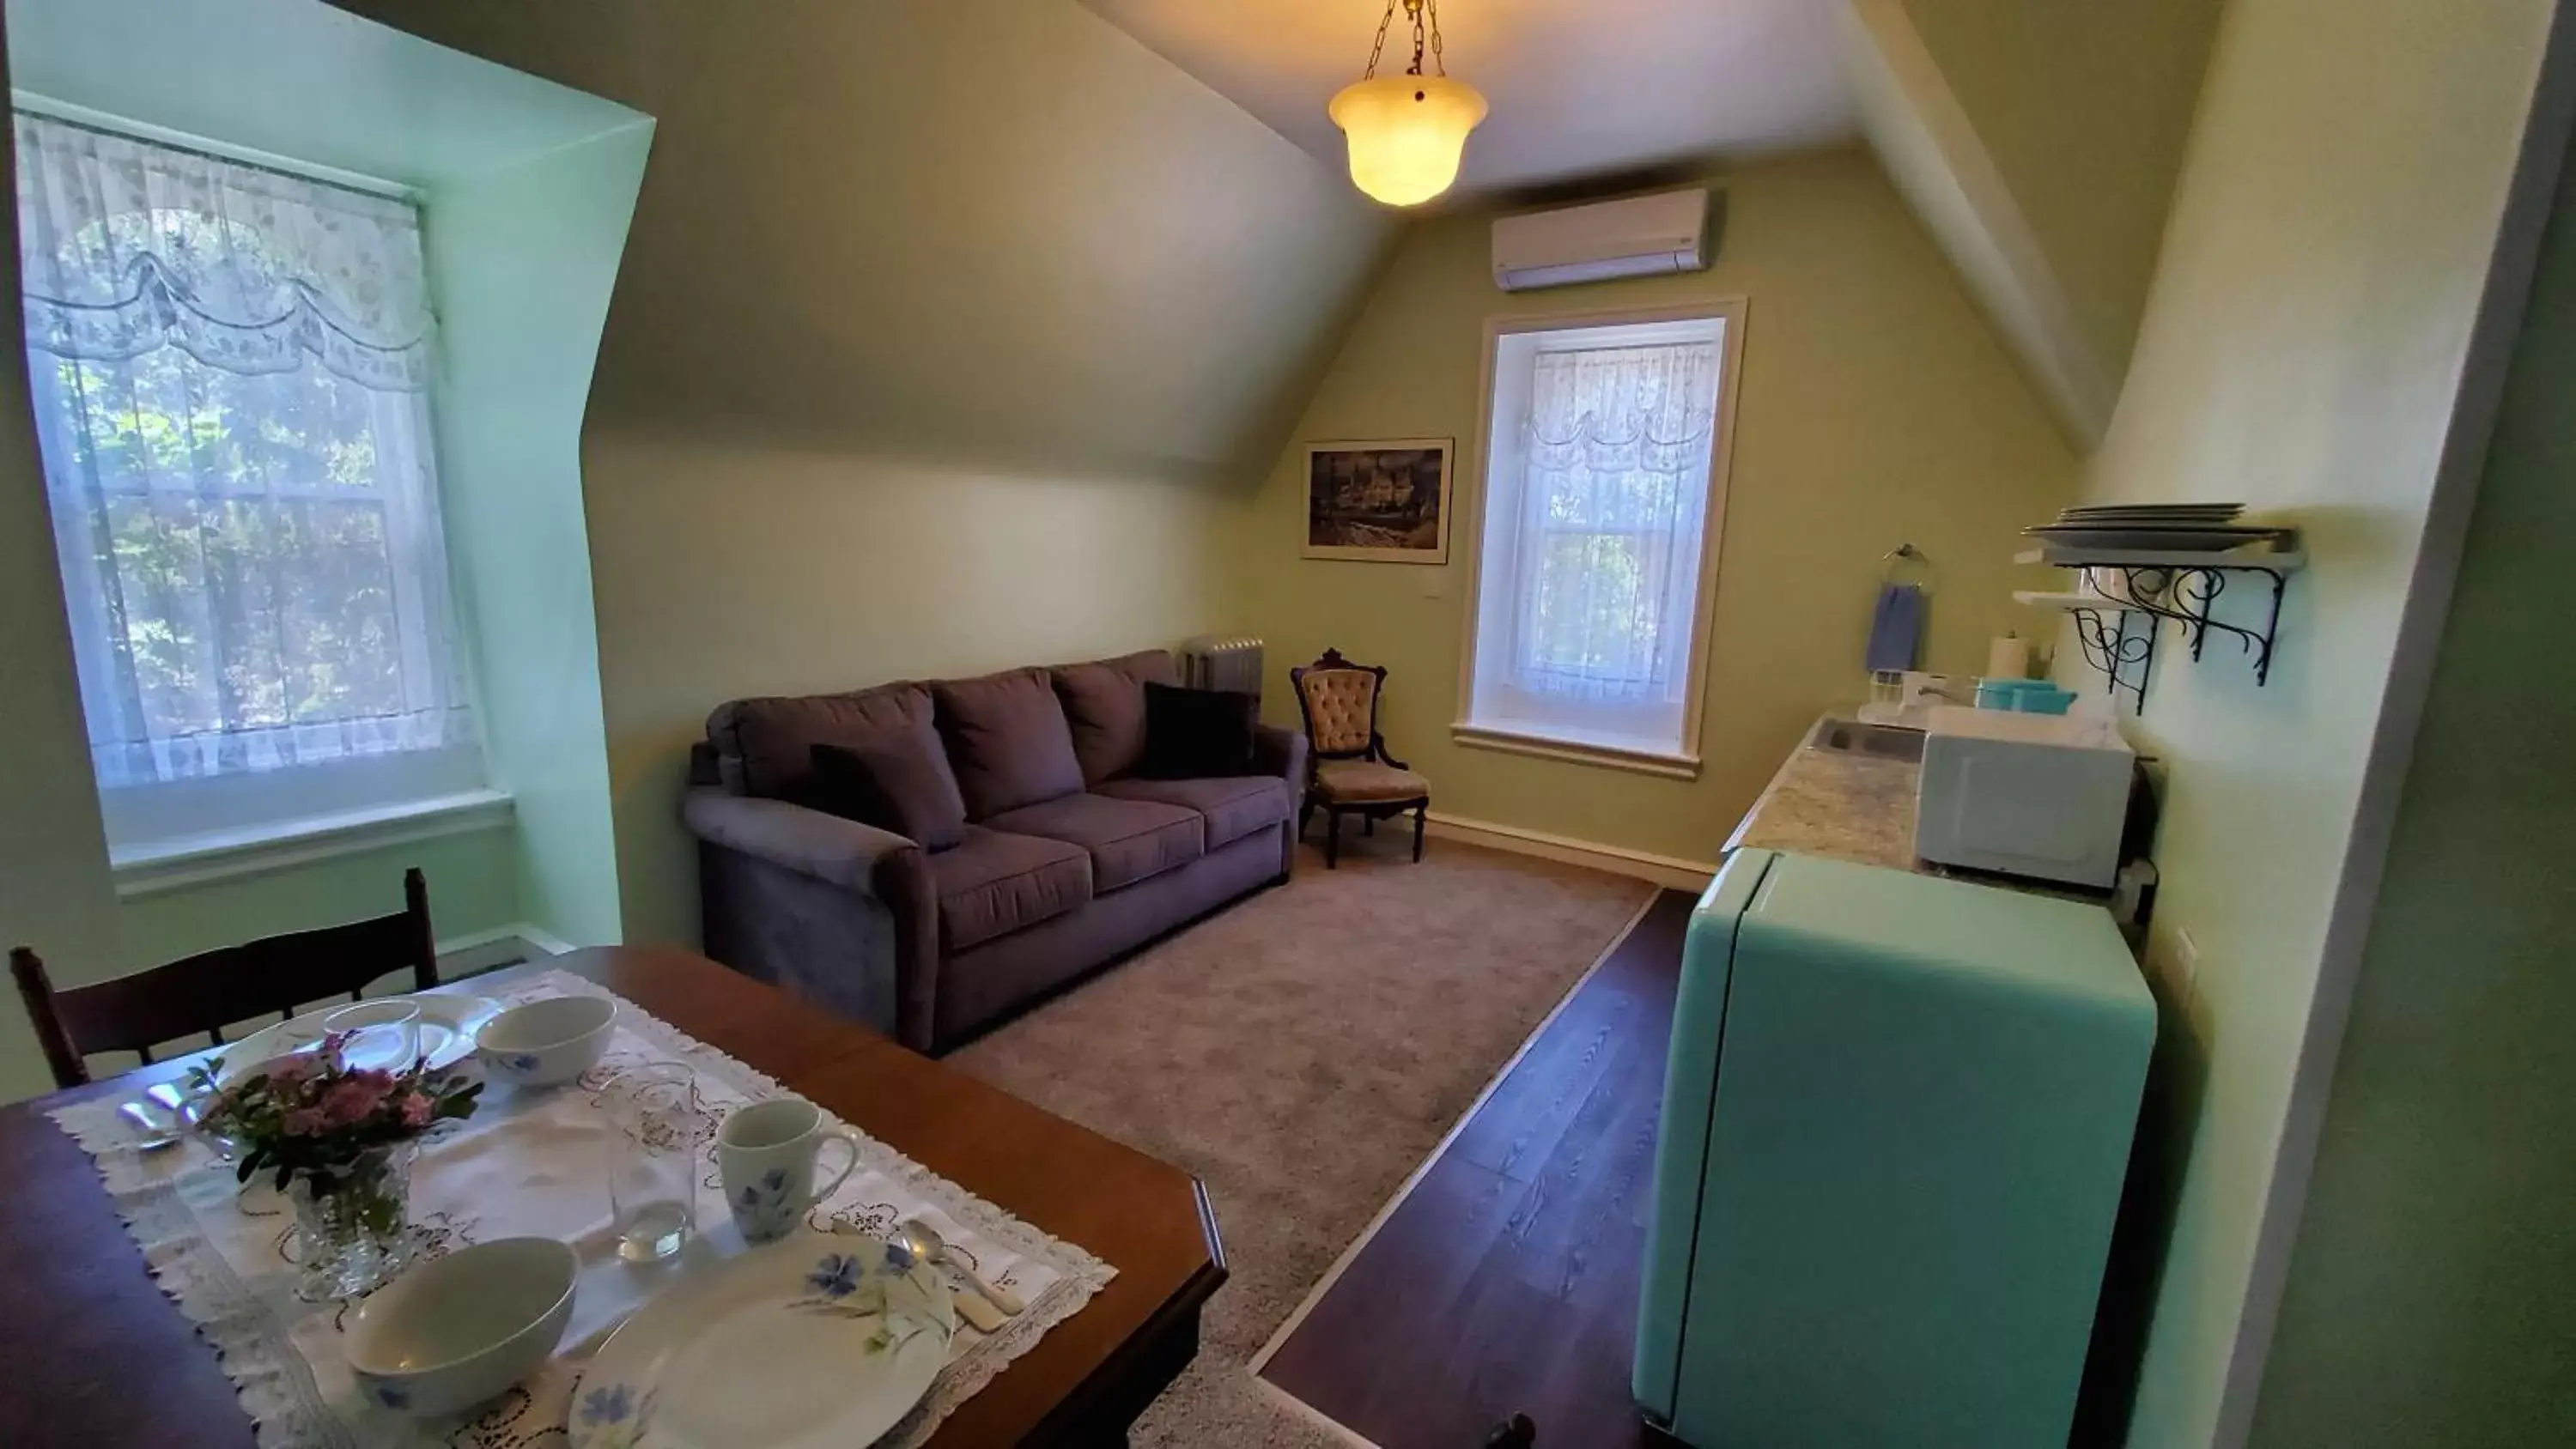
(528, 1164)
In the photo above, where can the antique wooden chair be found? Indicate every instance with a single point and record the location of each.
(1348, 771)
(232, 983)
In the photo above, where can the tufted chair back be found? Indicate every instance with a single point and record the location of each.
(1339, 700)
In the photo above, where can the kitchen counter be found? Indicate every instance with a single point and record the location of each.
(1845, 805)
(1838, 805)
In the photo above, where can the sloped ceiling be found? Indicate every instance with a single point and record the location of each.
(978, 230)
(1577, 90)
(2039, 141)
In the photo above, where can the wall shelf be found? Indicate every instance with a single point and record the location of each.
(2160, 585)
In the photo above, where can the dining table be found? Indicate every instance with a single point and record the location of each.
(98, 1357)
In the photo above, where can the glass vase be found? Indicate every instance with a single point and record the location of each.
(352, 1223)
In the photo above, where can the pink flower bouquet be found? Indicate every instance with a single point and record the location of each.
(312, 1116)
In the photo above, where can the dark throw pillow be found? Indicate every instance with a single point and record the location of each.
(898, 782)
(1196, 734)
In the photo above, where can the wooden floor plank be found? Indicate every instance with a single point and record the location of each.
(1507, 1280)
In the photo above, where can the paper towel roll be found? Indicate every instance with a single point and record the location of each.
(2008, 658)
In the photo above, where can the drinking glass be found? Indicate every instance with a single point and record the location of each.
(658, 1123)
(381, 1034)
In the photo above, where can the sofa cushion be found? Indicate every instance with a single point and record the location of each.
(897, 781)
(1007, 740)
(995, 882)
(1104, 703)
(765, 747)
(1128, 839)
(1191, 734)
(1233, 807)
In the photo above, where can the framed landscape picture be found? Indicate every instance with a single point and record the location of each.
(1379, 502)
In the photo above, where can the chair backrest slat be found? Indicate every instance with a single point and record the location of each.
(233, 983)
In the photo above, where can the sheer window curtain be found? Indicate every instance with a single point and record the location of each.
(1603, 566)
(230, 368)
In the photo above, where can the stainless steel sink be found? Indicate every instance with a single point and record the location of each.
(1851, 737)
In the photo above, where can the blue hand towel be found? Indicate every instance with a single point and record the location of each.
(1896, 630)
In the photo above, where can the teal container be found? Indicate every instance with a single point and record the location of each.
(1897, 1115)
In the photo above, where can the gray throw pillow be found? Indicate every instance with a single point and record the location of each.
(896, 781)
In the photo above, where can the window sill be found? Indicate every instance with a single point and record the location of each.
(169, 865)
(1670, 766)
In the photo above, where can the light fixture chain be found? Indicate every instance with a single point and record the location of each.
(1439, 65)
(1379, 49)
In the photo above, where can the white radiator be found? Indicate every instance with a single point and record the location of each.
(1216, 661)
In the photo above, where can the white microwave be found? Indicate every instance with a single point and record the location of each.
(2037, 795)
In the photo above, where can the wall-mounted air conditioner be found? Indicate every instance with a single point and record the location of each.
(1637, 236)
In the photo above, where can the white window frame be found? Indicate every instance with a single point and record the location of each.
(175, 834)
(1682, 763)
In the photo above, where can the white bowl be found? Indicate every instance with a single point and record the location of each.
(548, 1041)
(463, 1328)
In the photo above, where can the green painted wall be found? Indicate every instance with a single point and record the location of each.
(473, 887)
(2301, 352)
(522, 261)
(2432, 1292)
(55, 894)
(530, 253)
(1876, 408)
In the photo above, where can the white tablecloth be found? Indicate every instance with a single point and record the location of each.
(527, 1163)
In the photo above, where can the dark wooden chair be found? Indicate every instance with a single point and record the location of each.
(1348, 771)
(234, 983)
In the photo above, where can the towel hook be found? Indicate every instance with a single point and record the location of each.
(1895, 560)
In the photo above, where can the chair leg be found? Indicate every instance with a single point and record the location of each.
(1332, 839)
(1421, 813)
(1368, 825)
(1305, 812)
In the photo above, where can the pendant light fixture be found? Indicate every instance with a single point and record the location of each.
(1407, 131)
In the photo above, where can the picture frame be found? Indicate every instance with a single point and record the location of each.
(1384, 501)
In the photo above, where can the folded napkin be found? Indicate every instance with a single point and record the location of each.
(1896, 628)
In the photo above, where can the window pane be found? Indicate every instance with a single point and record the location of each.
(1597, 503)
(230, 369)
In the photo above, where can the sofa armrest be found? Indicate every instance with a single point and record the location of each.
(1280, 752)
(886, 877)
(809, 842)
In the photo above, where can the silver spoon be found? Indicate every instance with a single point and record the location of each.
(158, 1127)
(926, 1244)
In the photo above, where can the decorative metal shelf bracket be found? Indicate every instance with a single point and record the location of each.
(2125, 658)
(2189, 595)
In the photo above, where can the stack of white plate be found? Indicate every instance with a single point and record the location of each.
(2156, 527)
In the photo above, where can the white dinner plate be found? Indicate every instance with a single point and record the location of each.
(816, 1341)
(448, 1021)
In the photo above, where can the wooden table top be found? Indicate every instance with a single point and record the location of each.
(98, 1356)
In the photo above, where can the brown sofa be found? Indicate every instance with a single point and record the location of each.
(1067, 859)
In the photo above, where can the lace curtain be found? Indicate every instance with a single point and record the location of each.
(1614, 508)
(230, 371)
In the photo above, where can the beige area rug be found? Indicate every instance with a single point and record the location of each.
(1303, 1052)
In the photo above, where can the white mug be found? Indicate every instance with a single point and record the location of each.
(765, 1157)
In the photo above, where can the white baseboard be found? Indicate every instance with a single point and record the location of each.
(499, 946)
(1663, 870)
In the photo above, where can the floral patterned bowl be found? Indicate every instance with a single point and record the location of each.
(463, 1328)
(548, 1041)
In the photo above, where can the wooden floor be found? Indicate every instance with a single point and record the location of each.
(1506, 1281)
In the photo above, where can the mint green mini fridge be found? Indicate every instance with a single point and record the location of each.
(1897, 1114)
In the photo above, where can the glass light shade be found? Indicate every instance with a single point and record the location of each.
(1406, 133)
